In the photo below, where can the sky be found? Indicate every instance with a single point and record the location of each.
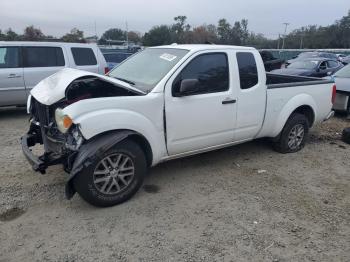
(264, 16)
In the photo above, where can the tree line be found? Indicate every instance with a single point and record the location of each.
(336, 35)
(31, 33)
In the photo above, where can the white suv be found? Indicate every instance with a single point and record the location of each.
(24, 64)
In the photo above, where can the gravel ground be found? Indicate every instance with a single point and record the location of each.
(245, 203)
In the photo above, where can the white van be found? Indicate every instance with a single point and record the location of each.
(24, 64)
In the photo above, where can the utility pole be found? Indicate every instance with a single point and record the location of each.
(285, 33)
(301, 42)
(95, 32)
(127, 34)
(278, 43)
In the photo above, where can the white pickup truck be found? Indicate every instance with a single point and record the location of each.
(164, 103)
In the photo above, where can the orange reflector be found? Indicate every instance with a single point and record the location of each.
(67, 122)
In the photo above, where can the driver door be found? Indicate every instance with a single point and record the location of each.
(204, 115)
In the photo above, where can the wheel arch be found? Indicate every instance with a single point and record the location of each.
(303, 104)
(307, 111)
(98, 144)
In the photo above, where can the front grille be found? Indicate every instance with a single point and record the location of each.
(41, 113)
(52, 139)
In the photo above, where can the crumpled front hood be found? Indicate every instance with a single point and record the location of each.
(52, 89)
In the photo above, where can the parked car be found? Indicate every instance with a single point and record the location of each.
(342, 99)
(313, 67)
(312, 55)
(114, 59)
(24, 64)
(341, 57)
(164, 103)
(346, 60)
(271, 62)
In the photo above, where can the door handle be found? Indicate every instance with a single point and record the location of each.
(13, 76)
(229, 101)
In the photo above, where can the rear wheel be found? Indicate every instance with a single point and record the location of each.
(294, 134)
(114, 177)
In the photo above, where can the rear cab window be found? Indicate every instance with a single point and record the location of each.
(43, 56)
(9, 57)
(83, 56)
(248, 71)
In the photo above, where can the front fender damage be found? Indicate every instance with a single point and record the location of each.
(92, 151)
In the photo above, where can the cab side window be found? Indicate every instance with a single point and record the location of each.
(210, 73)
(248, 72)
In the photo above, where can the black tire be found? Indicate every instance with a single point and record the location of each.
(87, 189)
(294, 121)
(346, 135)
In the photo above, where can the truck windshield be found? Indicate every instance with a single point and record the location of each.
(145, 69)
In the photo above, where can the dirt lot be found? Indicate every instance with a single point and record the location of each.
(245, 203)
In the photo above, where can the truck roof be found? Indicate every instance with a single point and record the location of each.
(36, 43)
(200, 47)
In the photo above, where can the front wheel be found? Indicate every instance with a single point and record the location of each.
(114, 177)
(294, 134)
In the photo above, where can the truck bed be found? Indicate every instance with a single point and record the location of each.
(286, 93)
(279, 81)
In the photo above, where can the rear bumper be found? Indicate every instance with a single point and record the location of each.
(341, 101)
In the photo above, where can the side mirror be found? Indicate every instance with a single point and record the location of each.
(329, 73)
(188, 86)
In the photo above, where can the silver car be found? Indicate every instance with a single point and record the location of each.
(24, 64)
(342, 80)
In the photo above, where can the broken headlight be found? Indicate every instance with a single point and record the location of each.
(75, 140)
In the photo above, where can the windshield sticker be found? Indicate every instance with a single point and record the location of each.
(168, 57)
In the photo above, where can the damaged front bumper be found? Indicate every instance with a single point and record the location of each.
(38, 163)
(28, 141)
(41, 163)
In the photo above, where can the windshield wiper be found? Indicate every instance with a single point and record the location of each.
(125, 80)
